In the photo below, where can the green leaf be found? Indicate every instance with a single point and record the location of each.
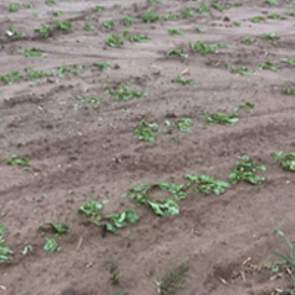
(286, 160)
(164, 208)
(91, 208)
(51, 245)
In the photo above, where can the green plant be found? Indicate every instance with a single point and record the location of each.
(5, 251)
(50, 2)
(116, 221)
(175, 32)
(169, 17)
(91, 209)
(203, 8)
(99, 8)
(34, 75)
(12, 32)
(90, 99)
(182, 80)
(115, 274)
(150, 16)
(248, 40)
(241, 70)
(109, 24)
(286, 160)
(102, 65)
(55, 228)
(204, 48)
(184, 124)
(208, 184)
(178, 52)
(246, 169)
(276, 16)
(15, 160)
(115, 41)
(135, 37)
(128, 21)
(125, 93)
(141, 194)
(64, 26)
(88, 27)
(173, 280)
(51, 245)
(11, 77)
(288, 61)
(222, 118)
(45, 31)
(146, 131)
(287, 260)
(271, 37)
(188, 12)
(272, 2)
(14, 7)
(33, 52)
(257, 19)
(269, 65)
(288, 91)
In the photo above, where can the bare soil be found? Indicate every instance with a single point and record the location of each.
(80, 153)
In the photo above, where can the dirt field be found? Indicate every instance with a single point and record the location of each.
(61, 112)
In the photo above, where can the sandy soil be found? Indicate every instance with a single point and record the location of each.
(79, 152)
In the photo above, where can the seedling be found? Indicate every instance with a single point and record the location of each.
(248, 40)
(271, 37)
(115, 274)
(168, 207)
(203, 8)
(58, 13)
(5, 251)
(241, 70)
(257, 19)
(18, 161)
(184, 124)
(169, 17)
(246, 106)
(99, 8)
(288, 91)
(269, 65)
(188, 12)
(45, 31)
(150, 17)
(288, 61)
(135, 37)
(286, 160)
(178, 52)
(14, 7)
(182, 80)
(128, 21)
(272, 2)
(287, 260)
(90, 100)
(50, 2)
(88, 27)
(51, 245)
(91, 209)
(11, 77)
(102, 65)
(116, 221)
(146, 131)
(173, 280)
(109, 24)
(34, 75)
(204, 48)
(125, 93)
(175, 32)
(65, 70)
(276, 16)
(115, 41)
(12, 32)
(55, 228)
(222, 118)
(208, 184)
(246, 169)
(63, 26)
(33, 52)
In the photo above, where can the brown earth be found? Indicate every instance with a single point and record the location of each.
(80, 153)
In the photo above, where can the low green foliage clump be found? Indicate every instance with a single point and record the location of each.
(15, 160)
(141, 194)
(269, 65)
(208, 184)
(14, 7)
(102, 65)
(173, 280)
(115, 41)
(11, 77)
(33, 52)
(257, 19)
(182, 80)
(108, 24)
(286, 160)
(184, 124)
(90, 99)
(125, 93)
(51, 245)
(222, 118)
(5, 251)
(135, 37)
(241, 70)
(45, 31)
(288, 91)
(270, 37)
(246, 169)
(150, 17)
(204, 48)
(248, 40)
(175, 32)
(146, 131)
(128, 21)
(178, 52)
